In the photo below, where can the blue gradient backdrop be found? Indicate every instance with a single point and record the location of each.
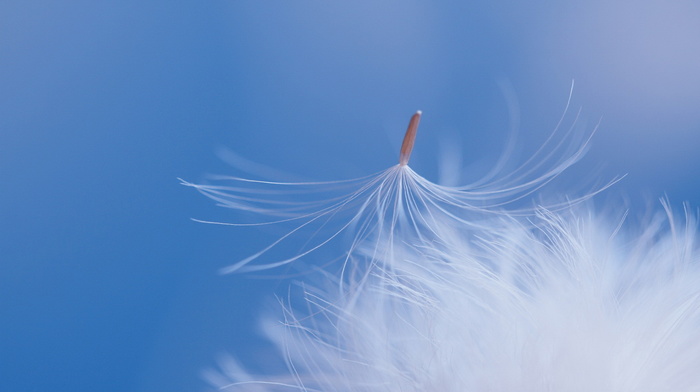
(105, 282)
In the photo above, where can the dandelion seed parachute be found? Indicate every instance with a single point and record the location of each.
(448, 289)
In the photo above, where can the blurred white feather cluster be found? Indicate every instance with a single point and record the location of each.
(448, 289)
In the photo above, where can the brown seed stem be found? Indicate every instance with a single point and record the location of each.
(409, 139)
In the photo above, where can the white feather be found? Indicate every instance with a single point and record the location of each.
(443, 289)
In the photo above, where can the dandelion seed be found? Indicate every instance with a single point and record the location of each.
(409, 139)
(396, 203)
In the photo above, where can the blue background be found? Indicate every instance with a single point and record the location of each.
(105, 282)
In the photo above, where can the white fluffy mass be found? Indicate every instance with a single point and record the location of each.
(446, 289)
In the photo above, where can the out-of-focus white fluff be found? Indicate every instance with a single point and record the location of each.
(569, 305)
(444, 290)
